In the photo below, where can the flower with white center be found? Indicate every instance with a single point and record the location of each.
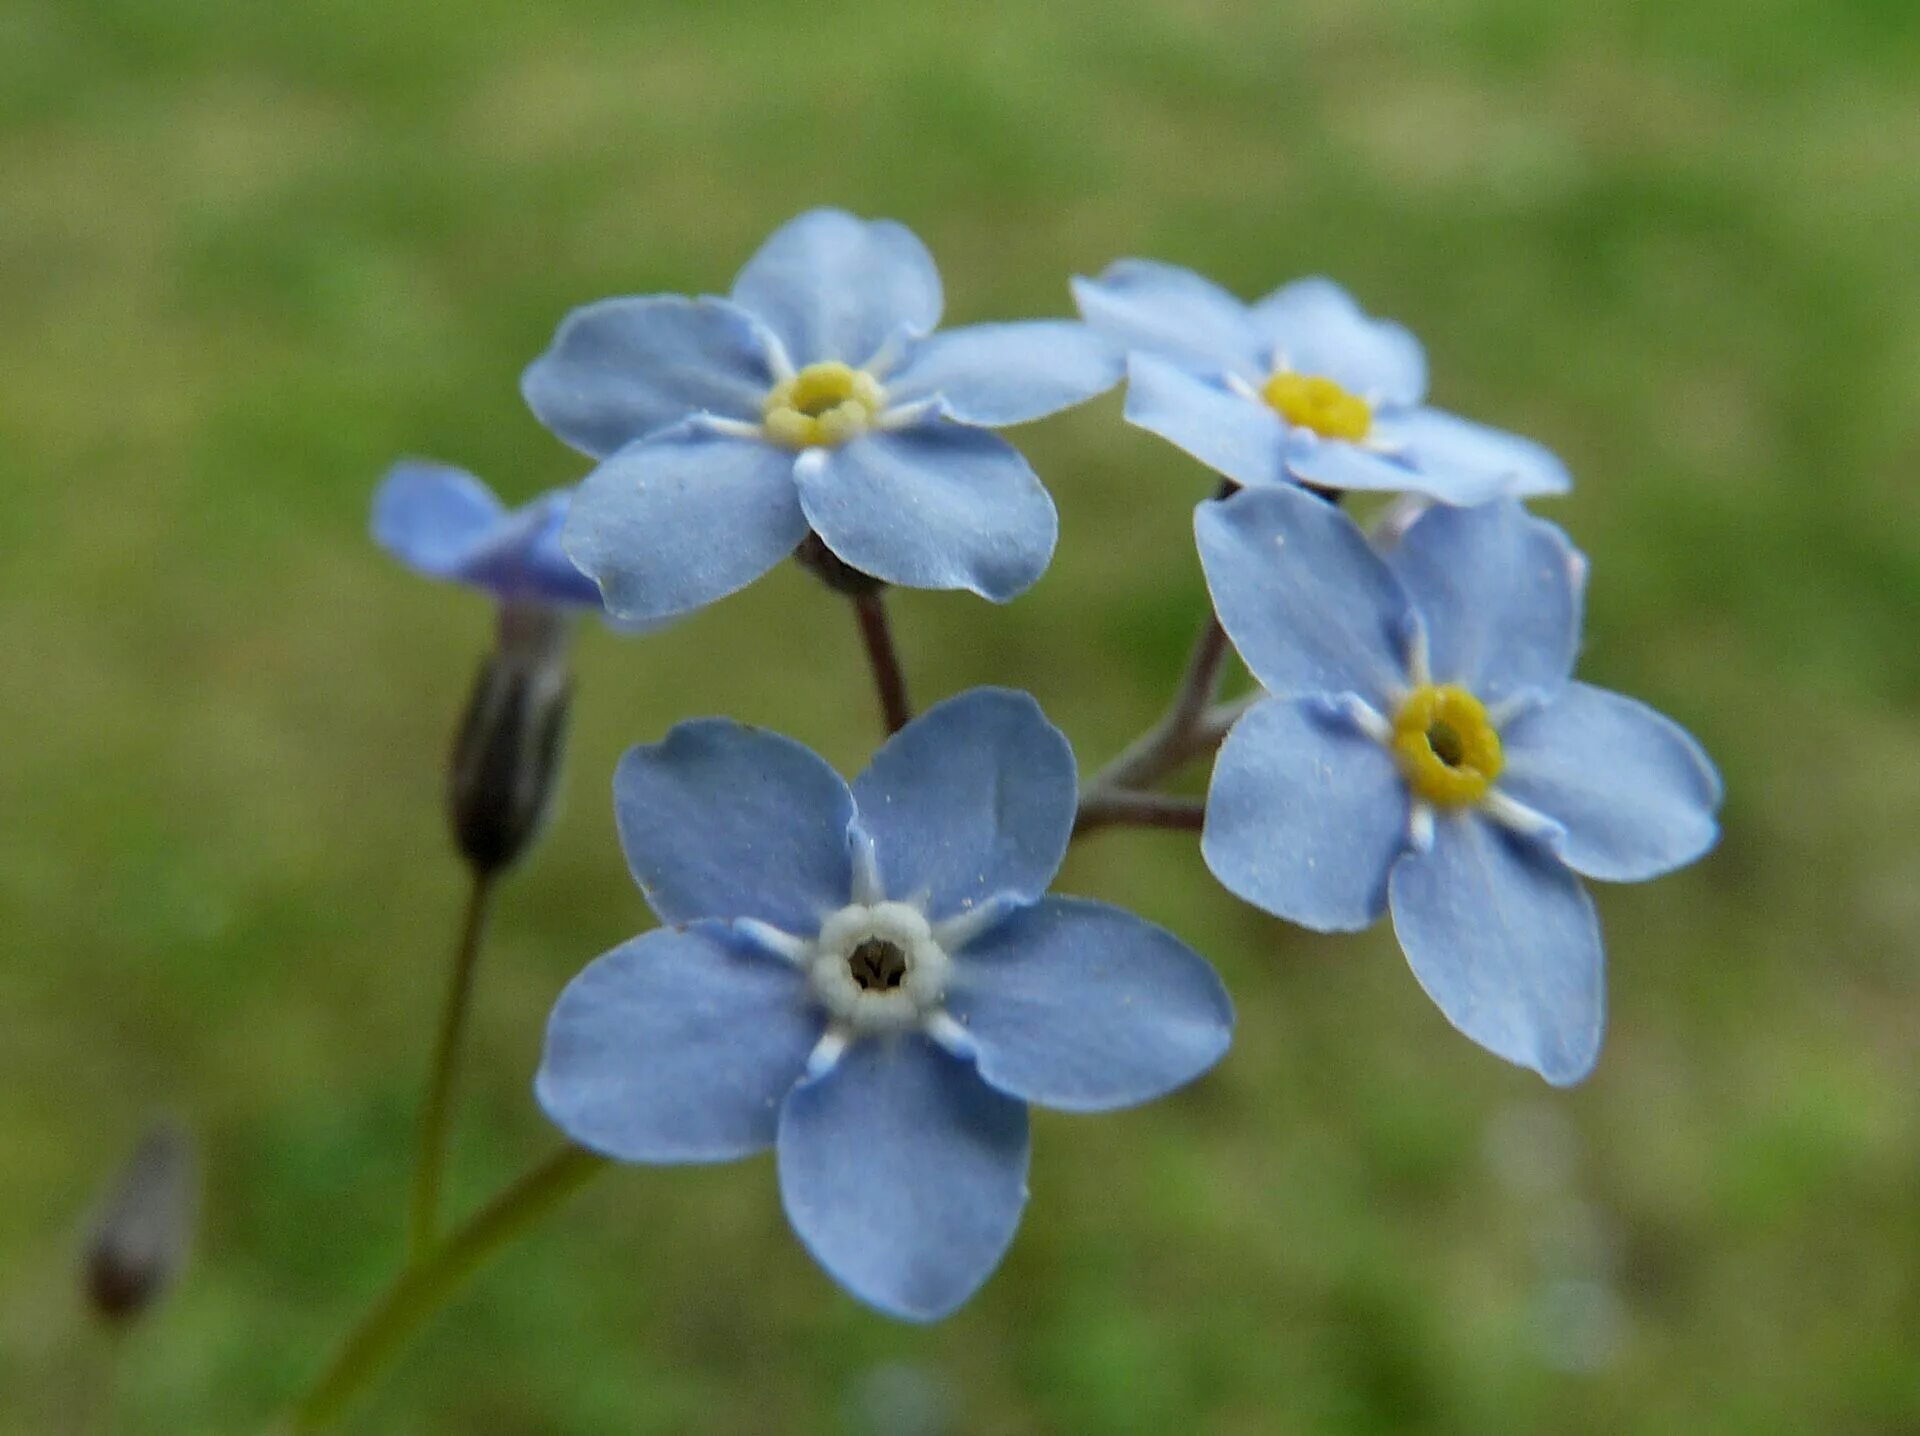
(871, 979)
(1302, 387)
(1424, 748)
(816, 396)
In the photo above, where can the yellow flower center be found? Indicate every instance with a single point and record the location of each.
(1445, 745)
(823, 404)
(1312, 402)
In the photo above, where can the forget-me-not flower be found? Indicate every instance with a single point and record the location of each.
(1424, 748)
(817, 395)
(870, 980)
(1302, 387)
(443, 522)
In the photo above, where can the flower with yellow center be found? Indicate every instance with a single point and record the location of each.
(820, 400)
(1424, 750)
(1302, 387)
(822, 405)
(1446, 745)
(1310, 401)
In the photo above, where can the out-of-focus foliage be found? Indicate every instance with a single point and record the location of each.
(249, 254)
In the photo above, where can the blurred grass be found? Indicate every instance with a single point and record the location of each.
(248, 254)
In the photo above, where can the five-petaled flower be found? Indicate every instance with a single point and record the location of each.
(817, 396)
(871, 980)
(443, 522)
(1302, 387)
(1425, 748)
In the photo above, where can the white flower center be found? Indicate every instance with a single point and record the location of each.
(878, 968)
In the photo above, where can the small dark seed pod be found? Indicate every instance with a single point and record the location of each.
(138, 1244)
(506, 755)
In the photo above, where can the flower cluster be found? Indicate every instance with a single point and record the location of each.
(870, 978)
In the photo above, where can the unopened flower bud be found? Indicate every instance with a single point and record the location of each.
(506, 756)
(138, 1244)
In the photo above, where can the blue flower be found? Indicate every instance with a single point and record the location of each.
(1300, 388)
(1425, 749)
(871, 981)
(816, 396)
(445, 523)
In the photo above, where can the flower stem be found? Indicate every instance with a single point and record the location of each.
(430, 1282)
(423, 1212)
(871, 609)
(1119, 794)
(1193, 724)
(1182, 731)
(1124, 808)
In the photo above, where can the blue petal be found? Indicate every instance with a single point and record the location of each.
(547, 569)
(1491, 460)
(997, 374)
(523, 559)
(835, 287)
(1083, 1007)
(1316, 328)
(1337, 464)
(433, 516)
(1504, 940)
(1635, 794)
(972, 800)
(722, 820)
(678, 1046)
(621, 369)
(1141, 304)
(1305, 816)
(938, 505)
(682, 518)
(1499, 591)
(1310, 607)
(1228, 432)
(904, 1174)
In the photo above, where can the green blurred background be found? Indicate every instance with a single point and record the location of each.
(249, 253)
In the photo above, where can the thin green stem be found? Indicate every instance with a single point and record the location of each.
(1182, 732)
(427, 1286)
(436, 1113)
(1119, 794)
(1122, 793)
